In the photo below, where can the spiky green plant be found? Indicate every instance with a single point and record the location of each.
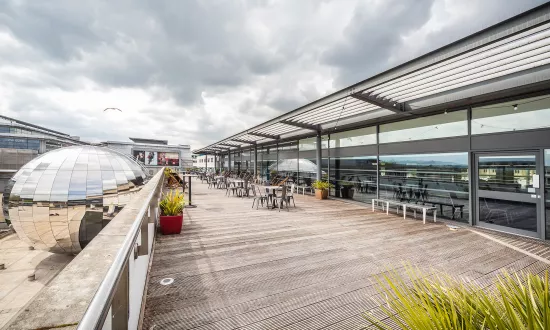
(519, 301)
(172, 203)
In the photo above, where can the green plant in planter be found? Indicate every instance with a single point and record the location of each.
(172, 203)
(322, 185)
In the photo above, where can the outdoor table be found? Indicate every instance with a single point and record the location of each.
(271, 192)
(189, 176)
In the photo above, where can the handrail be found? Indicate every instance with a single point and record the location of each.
(99, 307)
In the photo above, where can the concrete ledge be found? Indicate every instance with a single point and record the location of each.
(63, 302)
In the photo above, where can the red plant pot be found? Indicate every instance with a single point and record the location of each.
(171, 224)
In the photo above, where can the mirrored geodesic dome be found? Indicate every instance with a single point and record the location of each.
(62, 199)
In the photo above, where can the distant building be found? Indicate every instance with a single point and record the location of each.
(154, 154)
(204, 162)
(22, 141)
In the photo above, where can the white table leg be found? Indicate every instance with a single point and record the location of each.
(414, 210)
(424, 216)
(435, 215)
(387, 207)
(404, 211)
(373, 205)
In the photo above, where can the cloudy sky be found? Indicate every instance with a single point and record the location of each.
(194, 72)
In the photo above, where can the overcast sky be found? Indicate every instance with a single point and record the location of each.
(194, 72)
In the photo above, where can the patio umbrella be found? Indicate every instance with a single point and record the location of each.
(293, 165)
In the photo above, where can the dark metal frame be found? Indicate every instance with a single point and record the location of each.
(520, 197)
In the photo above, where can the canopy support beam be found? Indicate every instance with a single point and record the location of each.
(267, 136)
(401, 108)
(315, 128)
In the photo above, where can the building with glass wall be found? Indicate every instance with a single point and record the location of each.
(21, 141)
(465, 128)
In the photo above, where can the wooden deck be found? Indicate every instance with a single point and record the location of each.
(310, 268)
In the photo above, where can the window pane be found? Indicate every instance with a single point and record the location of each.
(354, 177)
(307, 144)
(440, 180)
(507, 173)
(358, 137)
(530, 114)
(432, 127)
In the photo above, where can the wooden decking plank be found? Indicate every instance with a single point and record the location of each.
(309, 268)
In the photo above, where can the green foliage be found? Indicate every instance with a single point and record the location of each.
(322, 185)
(172, 203)
(519, 301)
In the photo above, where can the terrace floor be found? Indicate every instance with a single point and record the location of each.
(310, 268)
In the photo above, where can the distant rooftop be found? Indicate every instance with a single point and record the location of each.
(149, 141)
(154, 142)
(17, 121)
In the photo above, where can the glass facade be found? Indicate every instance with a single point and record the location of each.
(510, 116)
(512, 173)
(430, 175)
(357, 137)
(432, 127)
(354, 177)
(440, 180)
(19, 143)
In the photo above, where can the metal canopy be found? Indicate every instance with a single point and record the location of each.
(501, 52)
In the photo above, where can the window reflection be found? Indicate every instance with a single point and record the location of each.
(440, 180)
(507, 173)
(354, 177)
(438, 126)
(530, 113)
(358, 137)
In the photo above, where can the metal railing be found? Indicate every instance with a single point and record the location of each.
(110, 306)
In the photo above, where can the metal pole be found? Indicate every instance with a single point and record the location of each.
(190, 204)
(255, 161)
(319, 166)
(229, 160)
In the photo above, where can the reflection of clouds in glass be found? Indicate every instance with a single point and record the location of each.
(431, 127)
(531, 113)
(512, 122)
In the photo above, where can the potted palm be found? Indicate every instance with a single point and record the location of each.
(171, 212)
(321, 189)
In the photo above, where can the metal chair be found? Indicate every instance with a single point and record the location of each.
(282, 199)
(290, 195)
(259, 198)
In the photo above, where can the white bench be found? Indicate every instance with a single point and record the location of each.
(304, 188)
(404, 205)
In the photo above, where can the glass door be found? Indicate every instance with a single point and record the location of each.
(508, 192)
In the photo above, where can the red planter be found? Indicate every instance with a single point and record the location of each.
(171, 224)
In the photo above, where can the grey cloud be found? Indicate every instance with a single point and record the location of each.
(371, 37)
(176, 50)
